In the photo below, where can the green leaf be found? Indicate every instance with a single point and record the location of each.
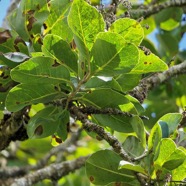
(63, 120)
(85, 21)
(168, 45)
(133, 146)
(57, 48)
(117, 123)
(43, 124)
(139, 129)
(149, 63)
(155, 137)
(130, 166)
(111, 97)
(41, 70)
(104, 172)
(48, 121)
(27, 94)
(130, 29)
(128, 81)
(169, 25)
(103, 82)
(56, 23)
(169, 156)
(180, 172)
(169, 18)
(164, 129)
(172, 121)
(136, 104)
(112, 55)
(18, 22)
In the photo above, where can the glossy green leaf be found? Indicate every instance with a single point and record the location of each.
(27, 94)
(111, 97)
(60, 50)
(85, 21)
(172, 120)
(130, 29)
(56, 23)
(41, 70)
(130, 166)
(155, 137)
(104, 172)
(149, 63)
(111, 55)
(169, 156)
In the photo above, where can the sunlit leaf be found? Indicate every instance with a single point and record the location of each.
(130, 29)
(169, 156)
(111, 55)
(85, 21)
(57, 48)
(130, 166)
(149, 63)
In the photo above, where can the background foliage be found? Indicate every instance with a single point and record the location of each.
(81, 84)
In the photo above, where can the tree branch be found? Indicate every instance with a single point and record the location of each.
(146, 84)
(91, 127)
(53, 172)
(67, 146)
(12, 127)
(147, 11)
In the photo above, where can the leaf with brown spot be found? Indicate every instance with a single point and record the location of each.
(38, 131)
(4, 36)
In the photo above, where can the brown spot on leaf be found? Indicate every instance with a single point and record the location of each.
(117, 184)
(55, 64)
(39, 130)
(31, 21)
(40, 41)
(58, 140)
(73, 45)
(91, 178)
(45, 26)
(17, 41)
(17, 102)
(30, 12)
(145, 63)
(5, 77)
(56, 88)
(4, 36)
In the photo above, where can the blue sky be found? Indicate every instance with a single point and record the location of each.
(3, 8)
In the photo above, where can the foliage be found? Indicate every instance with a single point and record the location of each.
(62, 68)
